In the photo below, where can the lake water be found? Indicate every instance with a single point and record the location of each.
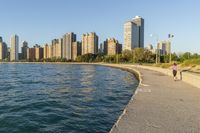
(60, 98)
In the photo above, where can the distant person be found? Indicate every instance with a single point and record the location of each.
(174, 71)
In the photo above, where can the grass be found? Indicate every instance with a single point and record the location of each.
(191, 62)
(163, 65)
(192, 65)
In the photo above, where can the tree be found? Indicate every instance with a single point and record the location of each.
(86, 58)
(149, 57)
(166, 58)
(185, 56)
(195, 56)
(174, 57)
(127, 55)
(138, 55)
(99, 58)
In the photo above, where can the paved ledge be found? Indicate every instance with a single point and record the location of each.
(160, 105)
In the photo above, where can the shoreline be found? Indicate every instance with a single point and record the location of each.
(47, 63)
(138, 76)
(188, 77)
(153, 107)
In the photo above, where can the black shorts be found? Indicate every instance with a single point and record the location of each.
(174, 72)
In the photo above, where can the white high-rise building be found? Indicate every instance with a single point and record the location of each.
(14, 48)
(131, 36)
(134, 33)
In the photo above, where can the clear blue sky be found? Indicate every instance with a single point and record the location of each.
(40, 21)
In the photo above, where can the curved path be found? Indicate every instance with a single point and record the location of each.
(160, 105)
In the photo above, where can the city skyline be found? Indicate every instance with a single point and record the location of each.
(41, 25)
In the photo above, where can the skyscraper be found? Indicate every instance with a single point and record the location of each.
(50, 51)
(68, 39)
(89, 43)
(31, 54)
(76, 50)
(46, 51)
(3, 49)
(14, 48)
(101, 48)
(54, 42)
(134, 33)
(139, 21)
(8, 53)
(38, 52)
(24, 49)
(59, 48)
(164, 47)
(112, 46)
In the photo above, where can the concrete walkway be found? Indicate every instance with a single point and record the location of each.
(161, 105)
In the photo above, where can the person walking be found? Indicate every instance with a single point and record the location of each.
(174, 71)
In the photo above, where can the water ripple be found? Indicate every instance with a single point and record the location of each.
(62, 98)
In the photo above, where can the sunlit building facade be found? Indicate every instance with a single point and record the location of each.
(68, 39)
(112, 47)
(89, 43)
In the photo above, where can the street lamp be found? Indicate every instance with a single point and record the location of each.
(157, 39)
(170, 36)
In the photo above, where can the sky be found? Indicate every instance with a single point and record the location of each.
(40, 21)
